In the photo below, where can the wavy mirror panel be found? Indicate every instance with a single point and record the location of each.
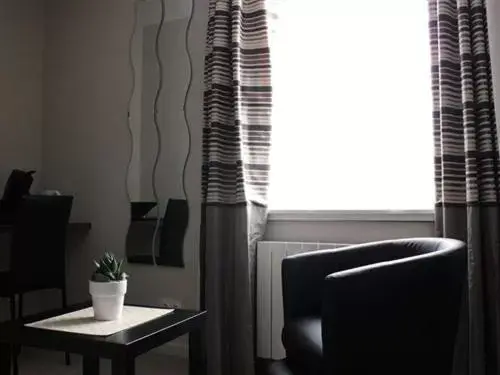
(160, 132)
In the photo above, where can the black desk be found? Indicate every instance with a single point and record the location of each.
(122, 347)
(83, 227)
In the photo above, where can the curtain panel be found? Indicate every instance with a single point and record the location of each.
(467, 170)
(236, 147)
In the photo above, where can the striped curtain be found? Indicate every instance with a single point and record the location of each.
(467, 170)
(236, 147)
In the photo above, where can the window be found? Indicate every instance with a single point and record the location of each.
(352, 122)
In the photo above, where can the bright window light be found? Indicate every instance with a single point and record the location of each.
(352, 122)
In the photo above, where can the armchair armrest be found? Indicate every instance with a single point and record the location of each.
(303, 275)
(379, 318)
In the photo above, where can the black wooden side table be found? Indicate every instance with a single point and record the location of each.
(122, 347)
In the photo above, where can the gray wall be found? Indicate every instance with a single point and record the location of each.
(21, 62)
(21, 84)
(85, 136)
(86, 139)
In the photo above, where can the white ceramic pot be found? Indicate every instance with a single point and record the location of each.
(108, 298)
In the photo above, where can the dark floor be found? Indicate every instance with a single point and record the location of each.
(37, 362)
(270, 367)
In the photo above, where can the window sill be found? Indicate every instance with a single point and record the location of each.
(360, 215)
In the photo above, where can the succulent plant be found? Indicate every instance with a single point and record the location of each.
(108, 268)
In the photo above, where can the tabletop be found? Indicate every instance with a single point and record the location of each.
(133, 341)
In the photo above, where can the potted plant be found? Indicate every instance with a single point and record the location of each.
(108, 287)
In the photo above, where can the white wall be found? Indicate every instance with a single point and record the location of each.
(346, 231)
(21, 62)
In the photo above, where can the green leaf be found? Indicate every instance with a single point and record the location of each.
(109, 267)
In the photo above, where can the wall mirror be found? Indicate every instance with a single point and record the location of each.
(159, 132)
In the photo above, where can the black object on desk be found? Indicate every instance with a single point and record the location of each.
(18, 186)
(122, 347)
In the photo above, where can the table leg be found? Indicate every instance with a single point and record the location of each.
(5, 359)
(90, 365)
(197, 363)
(123, 366)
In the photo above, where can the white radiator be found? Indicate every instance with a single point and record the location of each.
(269, 297)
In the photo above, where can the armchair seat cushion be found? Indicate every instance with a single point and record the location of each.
(303, 342)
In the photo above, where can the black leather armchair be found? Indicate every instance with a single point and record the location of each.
(387, 308)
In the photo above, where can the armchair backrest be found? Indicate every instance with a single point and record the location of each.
(303, 275)
(399, 316)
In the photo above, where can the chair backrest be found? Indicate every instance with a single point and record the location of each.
(37, 259)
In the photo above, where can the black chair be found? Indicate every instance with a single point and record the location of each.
(37, 251)
(387, 308)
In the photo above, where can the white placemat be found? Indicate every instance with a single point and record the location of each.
(83, 322)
